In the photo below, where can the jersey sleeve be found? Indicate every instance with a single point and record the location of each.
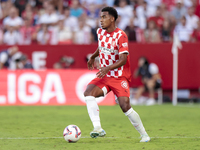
(98, 30)
(123, 44)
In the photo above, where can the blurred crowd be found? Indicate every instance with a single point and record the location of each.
(25, 22)
(11, 58)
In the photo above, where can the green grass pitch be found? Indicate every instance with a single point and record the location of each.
(41, 128)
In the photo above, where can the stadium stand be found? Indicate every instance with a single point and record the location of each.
(34, 19)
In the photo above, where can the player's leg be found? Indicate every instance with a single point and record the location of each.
(93, 91)
(133, 117)
(121, 89)
(151, 88)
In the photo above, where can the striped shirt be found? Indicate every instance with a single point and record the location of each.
(110, 46)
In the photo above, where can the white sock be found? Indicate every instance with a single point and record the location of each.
(136, 121)
(93, 111)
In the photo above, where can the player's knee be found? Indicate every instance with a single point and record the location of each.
(91, 93)
(125, 105)
(87, 93)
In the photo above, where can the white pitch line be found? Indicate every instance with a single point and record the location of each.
(38, 138)
(31, 138)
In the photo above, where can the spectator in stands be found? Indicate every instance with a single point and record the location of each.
(104, 3)
(151, 34)
(154, 3)
(116, 2)
(151, 80)
(188, 3)
(1, 12)
(183, 30)
(66, 3)
(158, 19)
(196, 34)
(86, 3)
(13, 20)
(191, 18)
(173, 22)
(75, 8)
(145, 10)
(6, 56)
(70, 21)
(65, 62)
(126, 12)
(21, 4)
(5, 8)
(179, 10)
(44, 35)
(1, 37)
(92, 15)
(64, 33)
(139, 21)
(131, 31)
(28, 32)
(135, 30)
(12, 37)
(165, 13)
(94, 37)
(43, 7)
(33, 3)
(166, 31)
(82, 34)
(89, 21)
(29, 14)
(50, 17)
(23, 63)
(57, 4)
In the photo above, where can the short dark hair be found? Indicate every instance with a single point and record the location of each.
(111, 11)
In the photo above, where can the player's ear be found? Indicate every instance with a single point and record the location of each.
(112, 19)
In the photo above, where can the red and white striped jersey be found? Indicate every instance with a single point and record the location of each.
(110, 46)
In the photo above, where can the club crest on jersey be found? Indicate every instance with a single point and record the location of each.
(113, 43)
(124, 84)
(125, 44)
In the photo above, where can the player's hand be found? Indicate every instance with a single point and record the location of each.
(102, 72)
(90, 64)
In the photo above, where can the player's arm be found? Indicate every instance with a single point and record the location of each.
(104, 70)
(90, 62)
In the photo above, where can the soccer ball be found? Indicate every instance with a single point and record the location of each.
(72, 133)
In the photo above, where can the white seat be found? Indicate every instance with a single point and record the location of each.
(159, 91)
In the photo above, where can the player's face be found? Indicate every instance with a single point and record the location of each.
(105, 20)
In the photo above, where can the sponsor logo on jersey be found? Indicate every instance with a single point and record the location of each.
(125, 44)
(124, 84)
(106, 50)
